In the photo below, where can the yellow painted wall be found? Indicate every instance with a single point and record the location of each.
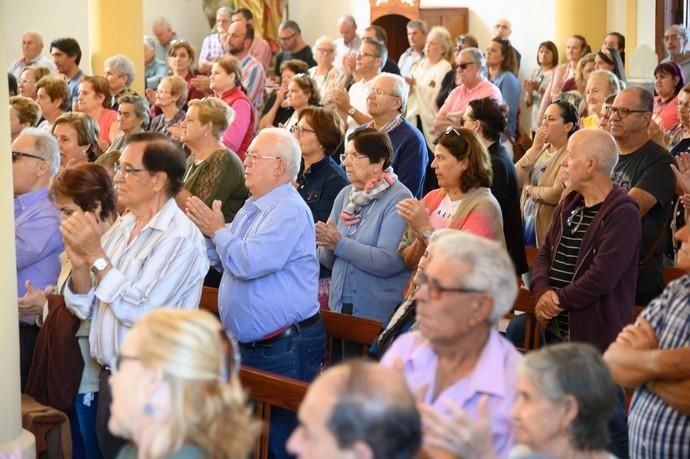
(117, 27)
(582, 17)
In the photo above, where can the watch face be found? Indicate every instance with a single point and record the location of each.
(100, 264)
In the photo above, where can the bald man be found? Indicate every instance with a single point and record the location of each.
(348, 42)
(585, 272)
(357, 409)
(503, 28)
(32, 47)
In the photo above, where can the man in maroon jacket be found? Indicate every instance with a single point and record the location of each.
(585, 273)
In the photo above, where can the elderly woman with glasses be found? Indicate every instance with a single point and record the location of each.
(539, 170)
(170, 99)
(463, 200)
(176, 390)
(132, 117)
(359, 241)
(324, 73)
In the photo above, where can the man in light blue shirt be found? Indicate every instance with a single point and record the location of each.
(268, 294)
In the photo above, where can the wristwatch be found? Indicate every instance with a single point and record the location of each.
(351, 111)
(99, 265)
(427, 234)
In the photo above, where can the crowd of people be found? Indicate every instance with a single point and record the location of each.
(334, 178)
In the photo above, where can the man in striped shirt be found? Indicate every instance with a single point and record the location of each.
(240, 37)
(653, 356)
(152, 257)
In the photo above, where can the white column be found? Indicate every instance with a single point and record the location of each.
(12, 436)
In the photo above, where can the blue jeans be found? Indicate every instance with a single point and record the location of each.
(298, 356)
(83, 425)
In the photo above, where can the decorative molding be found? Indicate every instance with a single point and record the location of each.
(406, 8)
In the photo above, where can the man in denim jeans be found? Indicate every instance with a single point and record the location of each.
(268, 294)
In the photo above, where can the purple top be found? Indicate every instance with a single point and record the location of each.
(495, 374)
(37, 239)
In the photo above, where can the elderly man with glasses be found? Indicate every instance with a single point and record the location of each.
(386, 103)
(268, 293)
(38, 243)
(644, 170)
(456, 361)
(474, 85)
(676, 40)
(151, 257)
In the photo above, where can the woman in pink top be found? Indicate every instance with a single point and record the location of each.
(668, 81)
(94, 100)
(225, 80)
(463, 201)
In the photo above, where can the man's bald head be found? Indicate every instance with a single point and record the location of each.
(32, 45)
(361, 405)
(503, 28)
(597, 145)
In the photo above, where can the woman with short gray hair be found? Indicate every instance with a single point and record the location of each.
(132, 117)
(324, 73)
(119, 71)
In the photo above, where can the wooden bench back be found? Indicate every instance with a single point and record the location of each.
(346, 327)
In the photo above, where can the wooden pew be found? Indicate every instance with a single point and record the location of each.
(346, 327)
(269, 390)
(525, 303)
(209, 300)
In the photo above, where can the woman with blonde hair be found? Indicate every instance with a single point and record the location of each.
(426, 78)
(176, 391)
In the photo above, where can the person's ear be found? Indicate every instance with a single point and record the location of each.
(570, 411)
(160, 181)
(361, 450)
(482, 310)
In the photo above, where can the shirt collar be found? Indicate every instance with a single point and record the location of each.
(394, 123)
(160, 221)
(267, 200)
(29, 199)
(487, 377)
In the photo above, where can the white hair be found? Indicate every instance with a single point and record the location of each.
(324, 40)
(490, 268)
(286, 146)
(122, 65)
(45, 146)
(402, 89)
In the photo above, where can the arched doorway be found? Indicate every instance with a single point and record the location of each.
(395, 27)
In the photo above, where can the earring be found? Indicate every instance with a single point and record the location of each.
(148, 409)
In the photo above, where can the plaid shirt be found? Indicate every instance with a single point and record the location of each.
(657, 430)
(211, 48)
(253, 80)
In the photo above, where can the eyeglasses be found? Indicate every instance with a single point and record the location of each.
(17, 154)
(119, 359)
(361, 54)
(324, 50)
(436, 290)
(380, 92)
(251, 157)
(300, 130)
(287, 38)
(622, 112)
(345, 156)
(464, 65)
(463, 121)
(672, 37)
(579, 213)
(451, 129)
(125, 171)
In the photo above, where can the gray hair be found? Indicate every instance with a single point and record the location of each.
(615, 84)
(324, 40)
(381, 50)
(149, 41)
(419, 25)
(683, 30)
(575, 370)
(286, 146)
(477, 57)
(224, 11)
(122, 65)
(348, 18)
(490, 268)
(161, 21)
(402, 89)
(141, 107)
(46, 147)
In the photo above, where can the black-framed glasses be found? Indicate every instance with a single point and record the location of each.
(119, 360)
(18, 154)
(464, 65)
(118, 168)
(436, 290)
(622, 112)
(287, 38)
(300, 130)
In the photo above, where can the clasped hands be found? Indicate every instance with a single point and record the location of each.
(548, 306)
(327, 234)
(82, 236)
